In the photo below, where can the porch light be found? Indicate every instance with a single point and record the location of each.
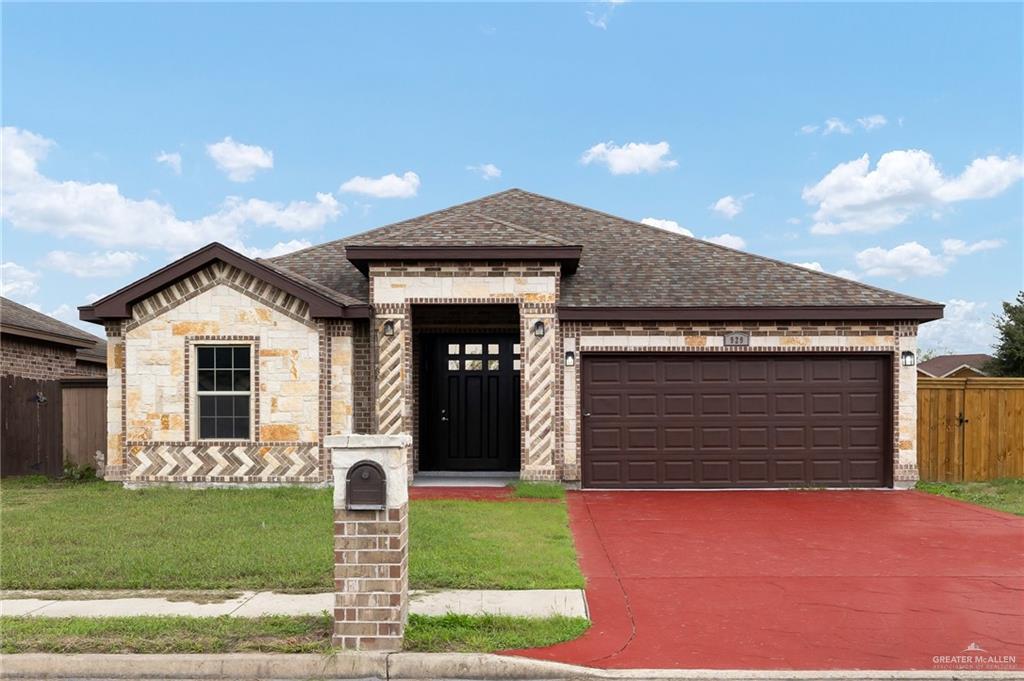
(570, 358)
(908, 358)
(389, 328)
(538, 329)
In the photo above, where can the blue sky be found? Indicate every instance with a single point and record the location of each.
(881, 142)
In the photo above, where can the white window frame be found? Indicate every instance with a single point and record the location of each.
(196, 393)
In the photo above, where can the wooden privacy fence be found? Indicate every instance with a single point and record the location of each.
(85, 419)
(30, 429)
(970, 429)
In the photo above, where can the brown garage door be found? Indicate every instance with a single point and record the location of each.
(736, 421)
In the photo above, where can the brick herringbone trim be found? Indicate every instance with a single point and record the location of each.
(223, 462)
(209, 277)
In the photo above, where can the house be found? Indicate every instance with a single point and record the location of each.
(39, 358)
(954, 366)
(514, 333)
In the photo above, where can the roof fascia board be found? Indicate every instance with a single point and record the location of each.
(47, 336)
(763, 313)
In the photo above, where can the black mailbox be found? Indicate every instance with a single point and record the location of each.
(366, 487)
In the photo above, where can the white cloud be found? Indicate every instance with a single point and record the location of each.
(808, 129)
(833, 125)
(17, 281)
(966, 326)
(631, 158)
(487, 171)
(667, 225)
(238, 161)
(729, 206)
(869, 123)
(389, 186)
(816, 266)
(847, 274)
(854, 198)
(100, 214)
(107, 264)
(171, 160)
(958, 247)
(906, 260)
(729, 240)
(602, 14)
(280, 248)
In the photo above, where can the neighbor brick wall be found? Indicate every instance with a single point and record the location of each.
(29, 358)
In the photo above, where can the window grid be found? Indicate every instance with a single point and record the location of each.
(224, 391)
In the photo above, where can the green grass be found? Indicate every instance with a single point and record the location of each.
(1006, 494)
(486, 634)
(523, 489)
(278, 634)
(491, 545)
(100, 536)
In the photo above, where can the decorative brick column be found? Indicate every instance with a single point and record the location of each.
(371, 547)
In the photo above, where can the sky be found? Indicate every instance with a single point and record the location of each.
(879, 142)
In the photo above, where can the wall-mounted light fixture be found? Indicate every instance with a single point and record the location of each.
(570, 358)
(538, 329)
(908, 359)
(389, 328)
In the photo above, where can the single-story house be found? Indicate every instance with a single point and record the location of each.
(40, 357)
(954, 366)
(514, 333)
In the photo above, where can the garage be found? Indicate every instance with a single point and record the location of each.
(714, 421)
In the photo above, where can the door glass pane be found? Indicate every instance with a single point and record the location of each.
(492, 349)
(453, 349)
(474, 348)
(474, 364)
(515, 365)
(453, 365)
(492, 365)
(515, 348)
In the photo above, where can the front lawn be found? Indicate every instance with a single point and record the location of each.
(98, 535)
(277, 634)
(1006, 494)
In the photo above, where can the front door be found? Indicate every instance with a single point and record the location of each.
(469, 402)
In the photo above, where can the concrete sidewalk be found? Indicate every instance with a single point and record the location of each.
(527, 603)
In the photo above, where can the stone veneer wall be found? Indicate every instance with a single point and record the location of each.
(302, 384)
(890, 337)
(532, 287)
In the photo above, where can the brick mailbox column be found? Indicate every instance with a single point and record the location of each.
(371, 547)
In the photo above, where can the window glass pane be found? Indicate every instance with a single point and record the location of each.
(207, 407)
(205, 381)
(225, 405)
(207, 428)
(241, 379)
(224, 427)
(492, 349)
(474, 348)
(223, 357)
(204, 357)
(492, 365)
(474, 364)
(241, 406)
(453, 365)
(515, 348)
(453, 349)
(223, 379)
(241, 427)
(242, 358)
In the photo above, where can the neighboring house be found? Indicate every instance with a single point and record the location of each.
(39, 357)
(954, 366)
(514, 333)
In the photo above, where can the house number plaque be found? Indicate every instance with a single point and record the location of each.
(737, 339)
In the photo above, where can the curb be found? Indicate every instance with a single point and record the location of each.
(407, 666)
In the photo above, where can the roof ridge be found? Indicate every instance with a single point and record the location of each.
(765, 258)
(527, 230)
(390, 225)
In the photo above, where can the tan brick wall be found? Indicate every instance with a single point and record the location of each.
(888, 337)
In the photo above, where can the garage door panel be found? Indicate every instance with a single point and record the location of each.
(735, 421)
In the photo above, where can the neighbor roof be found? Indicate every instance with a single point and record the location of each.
(627, 270)
(944, 365)
(18, 320)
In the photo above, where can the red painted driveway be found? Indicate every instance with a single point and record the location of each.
(795, 580)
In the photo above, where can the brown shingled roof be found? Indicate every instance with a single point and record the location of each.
(624, 264)
(19, 320)
(943, 365)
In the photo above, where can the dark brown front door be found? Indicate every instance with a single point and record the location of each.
(469, 402)
(736, 421)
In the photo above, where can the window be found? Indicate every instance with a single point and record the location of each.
(223, 389)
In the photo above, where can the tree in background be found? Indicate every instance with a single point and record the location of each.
(1009, 359)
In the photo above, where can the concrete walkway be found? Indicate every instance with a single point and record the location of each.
(528, 603)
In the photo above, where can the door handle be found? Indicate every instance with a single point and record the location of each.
(444, 414)
(586, 413)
